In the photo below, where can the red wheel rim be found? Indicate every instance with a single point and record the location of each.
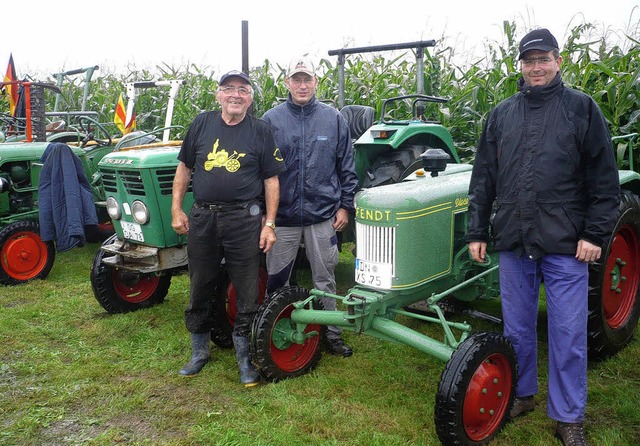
(620, 284)
(232, 306)
(24, 255)
(295, 356)
(487, 397)
(133, 287)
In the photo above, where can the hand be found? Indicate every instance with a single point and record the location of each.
(180, 222)
(341, 221)
(588, 252)
(267, 238)
(478, 251)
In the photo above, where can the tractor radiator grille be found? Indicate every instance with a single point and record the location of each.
(165, 180)
(132, 182)
(376, 243)
(109, 181)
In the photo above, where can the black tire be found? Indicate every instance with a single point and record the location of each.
(274, 356)
(614, 301)
(121, 291)
(394, 166)
(476, 390)
(23, 254)
(224, 311)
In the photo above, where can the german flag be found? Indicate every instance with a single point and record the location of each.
(9, 89)
(120, 117)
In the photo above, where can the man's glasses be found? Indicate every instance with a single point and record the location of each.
(229, 90)
(539, 60)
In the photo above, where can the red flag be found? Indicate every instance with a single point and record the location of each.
(120, 117)
(11, 90)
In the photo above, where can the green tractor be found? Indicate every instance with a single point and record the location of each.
(417, 199)
(23, 254)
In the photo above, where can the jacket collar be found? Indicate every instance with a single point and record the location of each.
(302, 109)
(540, 92)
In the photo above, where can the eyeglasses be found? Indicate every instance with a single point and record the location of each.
(539, 60)
(229, 90)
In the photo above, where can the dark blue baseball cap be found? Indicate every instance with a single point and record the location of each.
(234, 73)
(538, 39)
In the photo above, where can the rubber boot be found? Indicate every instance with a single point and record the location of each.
(248, 374)
(199, 354)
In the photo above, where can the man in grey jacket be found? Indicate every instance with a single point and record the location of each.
(316, 190)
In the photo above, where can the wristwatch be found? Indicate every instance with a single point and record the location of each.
(270, 223)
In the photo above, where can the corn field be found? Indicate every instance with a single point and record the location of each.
(610, 73)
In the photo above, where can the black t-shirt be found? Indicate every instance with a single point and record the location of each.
(229, 162)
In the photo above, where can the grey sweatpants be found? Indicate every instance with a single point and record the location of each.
(321, 246)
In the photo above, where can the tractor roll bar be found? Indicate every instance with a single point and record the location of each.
(418, 45)
(60, 77)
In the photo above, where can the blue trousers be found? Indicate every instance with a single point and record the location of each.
(566, 285)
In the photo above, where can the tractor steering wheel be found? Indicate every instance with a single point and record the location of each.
(85, 123)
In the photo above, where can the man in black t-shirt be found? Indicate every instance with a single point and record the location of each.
(234, 159)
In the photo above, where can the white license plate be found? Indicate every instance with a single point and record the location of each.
(376, 275)
(132, 231)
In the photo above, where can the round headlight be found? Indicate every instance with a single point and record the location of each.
(113, 209)
(140, 212)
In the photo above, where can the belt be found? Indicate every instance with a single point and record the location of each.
(222, 207)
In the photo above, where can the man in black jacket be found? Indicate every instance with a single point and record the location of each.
(545, 158)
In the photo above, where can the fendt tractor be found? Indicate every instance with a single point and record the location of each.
(24, 139)
(410, 249)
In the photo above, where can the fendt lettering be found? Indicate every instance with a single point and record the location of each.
(371, 215)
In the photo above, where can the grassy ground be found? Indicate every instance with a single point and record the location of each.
(71, 374)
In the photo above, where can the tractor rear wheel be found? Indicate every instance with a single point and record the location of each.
(273, 352)
(23, 254)
(614, 300)
(476, 390)
(119, 291)
(225, 308)
(394, 166)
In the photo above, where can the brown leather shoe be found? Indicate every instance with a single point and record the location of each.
(522, 405)
(571, 434)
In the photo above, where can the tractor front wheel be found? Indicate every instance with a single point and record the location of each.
(23, 254)
(614, 300)
(280, 348)
(120, 291)
(476, 390)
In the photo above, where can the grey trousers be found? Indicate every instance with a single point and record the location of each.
(321, 246)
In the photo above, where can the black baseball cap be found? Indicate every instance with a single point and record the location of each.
(538, 39)
(234, 73)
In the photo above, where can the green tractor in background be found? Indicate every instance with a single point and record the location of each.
(23, 254)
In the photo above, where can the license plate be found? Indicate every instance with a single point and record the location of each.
(132, 231)
(376, 275)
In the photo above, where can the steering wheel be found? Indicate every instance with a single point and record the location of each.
(85, 123)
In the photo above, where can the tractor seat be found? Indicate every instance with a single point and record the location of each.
(359, 117)
(136, 138)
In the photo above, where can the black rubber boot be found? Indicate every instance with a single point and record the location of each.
(199, 354)
(248, 374)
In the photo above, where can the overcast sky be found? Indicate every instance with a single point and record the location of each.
(49, 37)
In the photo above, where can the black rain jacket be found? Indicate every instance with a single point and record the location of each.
(545, 157)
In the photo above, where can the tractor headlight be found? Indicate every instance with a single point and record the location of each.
(113, 209)
(382, 134)
(140, 212)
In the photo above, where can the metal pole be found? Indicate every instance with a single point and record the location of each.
(245, 54)
(341, 60)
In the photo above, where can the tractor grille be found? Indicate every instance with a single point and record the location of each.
(109, 181)
(376, 244)
(165, 180)
(132, 182)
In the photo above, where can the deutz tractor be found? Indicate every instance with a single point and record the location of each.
(23, 254)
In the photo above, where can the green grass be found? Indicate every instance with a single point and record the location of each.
(71, 374)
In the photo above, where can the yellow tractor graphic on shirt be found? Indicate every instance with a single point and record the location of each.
(222, 159)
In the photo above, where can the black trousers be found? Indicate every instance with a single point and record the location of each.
(232, 234)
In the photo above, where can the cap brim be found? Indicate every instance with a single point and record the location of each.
(537, 47)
